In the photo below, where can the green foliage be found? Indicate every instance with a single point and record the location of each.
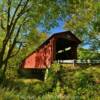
(70, 84)
(49, 96)
(81, 14)
(7, 95)
(88, 54)
(83, 20)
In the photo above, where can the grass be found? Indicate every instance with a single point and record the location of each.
(61, 84)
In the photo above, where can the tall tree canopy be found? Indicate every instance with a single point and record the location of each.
(84, 21)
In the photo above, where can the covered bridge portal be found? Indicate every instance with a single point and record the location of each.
(60, 46)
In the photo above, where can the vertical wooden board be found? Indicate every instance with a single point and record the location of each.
(48, 55)
(30, 61)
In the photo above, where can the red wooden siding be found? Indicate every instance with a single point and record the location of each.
(42, 58)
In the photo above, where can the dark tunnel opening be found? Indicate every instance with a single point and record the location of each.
(64, 49)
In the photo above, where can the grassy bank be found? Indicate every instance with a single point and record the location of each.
(62, 83)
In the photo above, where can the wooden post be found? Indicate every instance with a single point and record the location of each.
(46, 74)
(73, 63)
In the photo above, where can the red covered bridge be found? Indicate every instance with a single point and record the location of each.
(60, 46)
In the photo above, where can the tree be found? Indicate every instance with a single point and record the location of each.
(83, 20)
(88, 54)
(11, 29)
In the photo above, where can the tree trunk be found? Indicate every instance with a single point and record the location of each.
(3, 73)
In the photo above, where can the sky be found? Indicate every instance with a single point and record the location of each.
(59, 28)
(56, 29)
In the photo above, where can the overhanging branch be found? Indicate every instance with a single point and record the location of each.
(14, 42)
(18, 6)
(18, 16)
(2, 25)
(20, 45)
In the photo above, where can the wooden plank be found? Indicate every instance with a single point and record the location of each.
(79, 61)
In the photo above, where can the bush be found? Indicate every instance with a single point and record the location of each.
(6, 94)
(61, 84)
